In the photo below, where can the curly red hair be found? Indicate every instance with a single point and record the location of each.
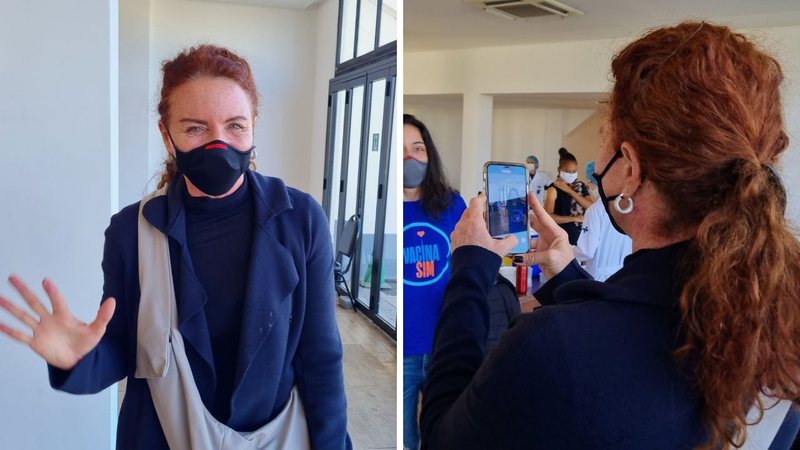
(701, 104)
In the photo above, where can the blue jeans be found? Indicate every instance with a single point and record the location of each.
(415, 373)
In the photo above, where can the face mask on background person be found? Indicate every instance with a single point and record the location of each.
(413, 173)
(531, 169)
(213, 167)
(569, 178)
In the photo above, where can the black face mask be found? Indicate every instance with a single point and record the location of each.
(608, 199)
(213, 167)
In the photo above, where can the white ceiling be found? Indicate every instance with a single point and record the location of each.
(290, 4)
(584, 100)
(451, 24)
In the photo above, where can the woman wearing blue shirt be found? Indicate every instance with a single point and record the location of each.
(246, 285)
(431, 209)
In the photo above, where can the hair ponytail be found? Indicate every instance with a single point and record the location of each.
(701, 105)
(737, 327)
(564, 156)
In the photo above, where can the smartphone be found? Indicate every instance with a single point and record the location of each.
(506, 187)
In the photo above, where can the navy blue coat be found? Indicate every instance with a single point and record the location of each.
(591, 369)
(289, 334)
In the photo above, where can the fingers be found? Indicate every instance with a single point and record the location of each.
(541, 221)
(525, 259)
(59, 304)
(477, 205)
(20, 314)
(28, 295)
(15, 334)
(104, 315)
(506, 244)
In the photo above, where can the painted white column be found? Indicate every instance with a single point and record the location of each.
(136, 101)
(476, 142)
(58, 119)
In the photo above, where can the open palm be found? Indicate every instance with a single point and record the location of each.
(58, 337)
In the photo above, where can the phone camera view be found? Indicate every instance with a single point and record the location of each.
(506, 187)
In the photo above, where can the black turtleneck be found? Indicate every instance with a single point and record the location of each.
(219, 235)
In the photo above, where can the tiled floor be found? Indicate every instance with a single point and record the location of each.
(370, 377)
(370, 374)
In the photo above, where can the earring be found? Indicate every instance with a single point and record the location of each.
(618, 203)
(253, 155)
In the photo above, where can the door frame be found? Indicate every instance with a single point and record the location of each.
(361, 72)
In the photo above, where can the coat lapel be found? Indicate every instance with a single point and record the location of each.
(272, 275)
(167, 214)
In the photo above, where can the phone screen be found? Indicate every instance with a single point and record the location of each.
(507, 212)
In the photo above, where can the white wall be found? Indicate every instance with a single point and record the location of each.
(521, 131)
(58, 122)
(517, 131)
(279, 44)
(135, 106)
(584, 67)
(584, 140)
(444, 121)
(327, 16)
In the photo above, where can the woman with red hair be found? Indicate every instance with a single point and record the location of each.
(695, 342)
(219, 290)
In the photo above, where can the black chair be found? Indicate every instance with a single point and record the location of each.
(345, 246)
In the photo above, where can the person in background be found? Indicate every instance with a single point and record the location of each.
(602, 248)
(695, 342)
(431, 208)
(538, 180)
(568, 197)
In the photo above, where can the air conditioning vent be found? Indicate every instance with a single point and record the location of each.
(525, 9)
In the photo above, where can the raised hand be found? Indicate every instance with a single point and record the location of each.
(561, 184)
(58, 337)
(471, 230)
(551, 250)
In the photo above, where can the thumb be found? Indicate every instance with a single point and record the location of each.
(505, 244)
(104, 315)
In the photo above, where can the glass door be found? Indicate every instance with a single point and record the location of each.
(377, 260)
(358, 180)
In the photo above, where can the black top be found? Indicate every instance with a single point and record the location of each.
(567, 206)
(219, 234)
(591, 369)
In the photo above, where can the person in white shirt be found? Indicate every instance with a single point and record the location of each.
(538, 180)
(601, 246)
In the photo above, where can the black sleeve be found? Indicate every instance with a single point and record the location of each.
(107, 363)
(474, 401)
(460, 338)
(573, 271)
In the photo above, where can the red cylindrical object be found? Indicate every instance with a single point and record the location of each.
(522, 280)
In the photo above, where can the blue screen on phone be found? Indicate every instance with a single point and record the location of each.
(506, 191)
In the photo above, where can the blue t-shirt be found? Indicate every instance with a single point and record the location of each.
(426, 270)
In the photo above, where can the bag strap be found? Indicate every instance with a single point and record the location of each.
(157, 298)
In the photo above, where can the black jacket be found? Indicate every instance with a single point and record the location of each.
(591, 369)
